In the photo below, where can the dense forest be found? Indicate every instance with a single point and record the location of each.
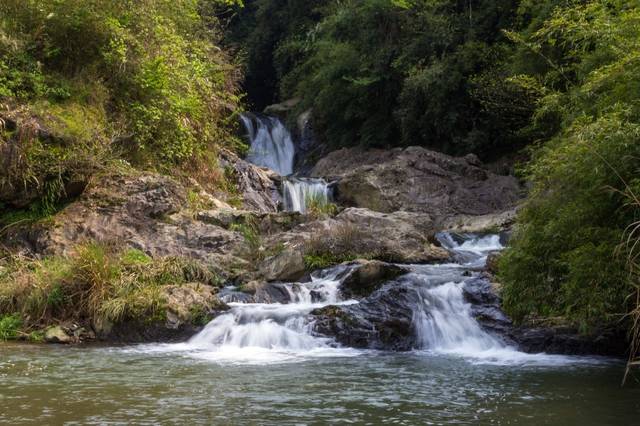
(160, 87)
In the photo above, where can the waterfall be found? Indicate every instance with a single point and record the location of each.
(273, 328)
(271, 143)
(299, 192)
(442, 320)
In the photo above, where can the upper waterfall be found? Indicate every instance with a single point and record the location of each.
(271, 143)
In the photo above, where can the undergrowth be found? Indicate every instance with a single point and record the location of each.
(94, 282)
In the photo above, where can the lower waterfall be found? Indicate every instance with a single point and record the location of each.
(299, 193)
(442, 318)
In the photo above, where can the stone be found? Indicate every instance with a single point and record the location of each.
(417, 180)
(367, 276)
(402, 237)
(286, 266)
(57, 334)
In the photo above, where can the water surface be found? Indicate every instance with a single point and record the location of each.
(145, 385)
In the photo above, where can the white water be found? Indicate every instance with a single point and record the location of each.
(299, 192)
(271, 143)
(266, 333)
(443, 322)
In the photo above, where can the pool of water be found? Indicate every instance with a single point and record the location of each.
(163, 384)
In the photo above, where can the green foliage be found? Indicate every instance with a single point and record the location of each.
(324, 260)
(94, 282)
(10, 327)
(148, 77)
(383, 72)
(318, 206)
(564, 259)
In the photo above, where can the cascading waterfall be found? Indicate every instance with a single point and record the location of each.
(271, 143)
(298, 193)
(442, 319)
(272, 146)
(273, 331)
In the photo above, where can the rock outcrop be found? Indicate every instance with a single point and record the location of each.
(402, 237)
(257, 186)
(145, 211)
(417, 180)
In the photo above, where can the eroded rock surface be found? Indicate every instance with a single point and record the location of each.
(417, 180)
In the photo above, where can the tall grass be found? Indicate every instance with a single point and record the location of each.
(632, 249)
(94, 282)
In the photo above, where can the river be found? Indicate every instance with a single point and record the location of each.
(263, 364)
(136, 385)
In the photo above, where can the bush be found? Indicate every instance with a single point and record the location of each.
(565, 258)
(10, 327)
(103, 79)
(94, 282)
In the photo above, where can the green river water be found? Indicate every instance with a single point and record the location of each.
(149, 385)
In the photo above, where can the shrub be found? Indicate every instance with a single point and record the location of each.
(10, 327)
(94, 282)
(564, 258)
(105, 79)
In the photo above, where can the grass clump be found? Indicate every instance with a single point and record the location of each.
(319, 206)
(95, 282)
(10, 326)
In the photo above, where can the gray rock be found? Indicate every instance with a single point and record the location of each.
(417, 180)
(57, 334)
(367, 276)
(286, 266)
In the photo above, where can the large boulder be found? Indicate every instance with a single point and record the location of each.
(402, 237)
(288, 265)
(366, 276)
(384, 320)
(417, 180)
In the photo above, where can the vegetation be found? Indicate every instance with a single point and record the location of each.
(94, 283)
(318, 206)
(85, 82)
(386, 72)
(564, 259)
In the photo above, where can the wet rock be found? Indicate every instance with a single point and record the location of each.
(288, 265)
(486, 307)
(367, 276)
(272, 293)
(569, 341)
(384, 320)
(418, 180)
